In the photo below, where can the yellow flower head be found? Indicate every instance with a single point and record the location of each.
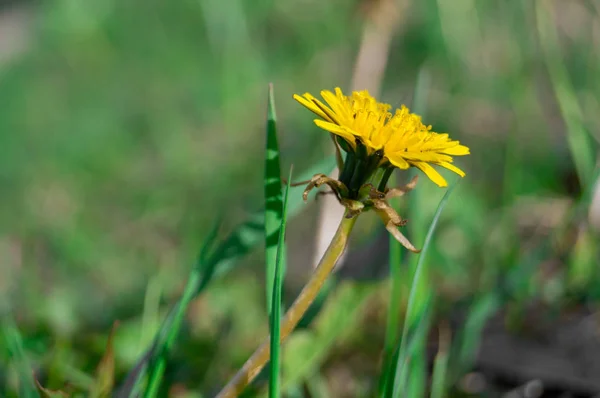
(400, 139)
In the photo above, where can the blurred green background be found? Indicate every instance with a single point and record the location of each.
(127, 126)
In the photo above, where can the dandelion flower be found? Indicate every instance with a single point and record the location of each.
(367, 129)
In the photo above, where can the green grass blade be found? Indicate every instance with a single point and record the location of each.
(273, 201)
(418, 371)
(438, 378)
(440, 364)
(240, 242)
(421, 90)
(393, 316)
(275, 315)
(307, 350)
(414, 308)
(14, 343)
(416, 342)
(580, 142)
(395, 264)
(166, 337)
(468, 338)
(215, 263)
(415, 349)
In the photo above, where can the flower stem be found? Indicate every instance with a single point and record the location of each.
(257, 361)
(384, 179)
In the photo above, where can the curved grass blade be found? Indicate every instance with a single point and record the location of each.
(440, 364)
(14, 343)
(415, 309)
(166, 336)
(216, 262)
(212, 261)
(273, 201)
(580, 142)
(395, 262)
(306, 350)
(415, 353)
(463, 353)
(393, 315)
(275, 315)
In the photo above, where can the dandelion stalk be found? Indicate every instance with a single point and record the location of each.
(257, 361)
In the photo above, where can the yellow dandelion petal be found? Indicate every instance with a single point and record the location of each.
(451, 167)
(342, 131)
(310, 106)
(457, 150)
(431, 157)
(327, 109)
(431, 173)
(339, 93)
(339, 105)
(383, 135)
(316, 106)
(398, 161)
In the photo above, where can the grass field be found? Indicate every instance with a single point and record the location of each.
(129, 130)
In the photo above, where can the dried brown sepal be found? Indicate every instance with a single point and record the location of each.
(319, 179)
(368, 197)
(381, 206)
(400, 191)
(392, 221)
(294, 184)
(46, 393)
(373, 193)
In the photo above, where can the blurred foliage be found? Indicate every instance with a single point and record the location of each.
(124, 125)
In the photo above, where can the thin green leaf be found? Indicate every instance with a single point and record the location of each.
(580, 142)
(212, 263)
(440, 364)
(306, 350)
(216, 262)
(416, 347)
(157, 359)
(395, 262)
(14, 343)
(151, 312)
(468, 337)
(273, 202)
(276, 301)
(421, 90)
(393, 315)
(418, 370)
(414, 308)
